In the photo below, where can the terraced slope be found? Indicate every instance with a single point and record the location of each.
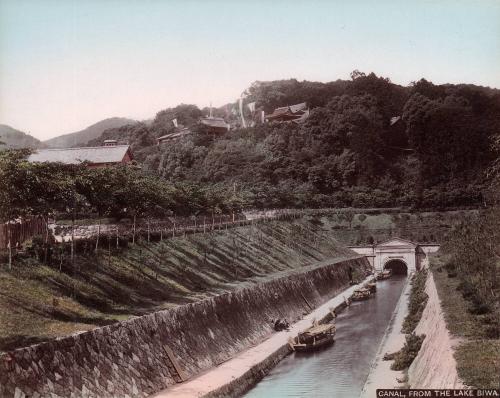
(40, 302)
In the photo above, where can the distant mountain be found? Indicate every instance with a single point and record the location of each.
(13, 138)
(84, 136)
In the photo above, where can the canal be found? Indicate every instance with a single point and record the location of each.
(340, 370)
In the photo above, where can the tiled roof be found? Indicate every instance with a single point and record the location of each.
(100, 154)
(214, 122)
(181, 133)
(302, 117)
(292, 109)
(298, 107)
(395, 119)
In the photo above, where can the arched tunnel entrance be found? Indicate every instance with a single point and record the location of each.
(398, 267)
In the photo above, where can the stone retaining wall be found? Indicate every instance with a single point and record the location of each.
(434, 366)
(129, 359)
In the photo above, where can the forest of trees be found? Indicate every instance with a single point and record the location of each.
(348, 153)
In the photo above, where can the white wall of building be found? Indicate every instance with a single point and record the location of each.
(412, 254)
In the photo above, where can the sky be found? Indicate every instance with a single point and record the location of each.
(66, 64)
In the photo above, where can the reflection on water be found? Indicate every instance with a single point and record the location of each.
(340, 370)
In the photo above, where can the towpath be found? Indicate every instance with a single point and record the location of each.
(381, 375)
(239, 368)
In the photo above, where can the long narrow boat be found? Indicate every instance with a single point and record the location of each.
(385, 274)
(361, 294)
(315, 337)
(371, 286)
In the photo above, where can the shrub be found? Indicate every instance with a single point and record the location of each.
(418, 300)
(404, 358)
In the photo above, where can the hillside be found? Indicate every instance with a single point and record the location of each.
(84, 136)
(467, 275)
(17, 139)
(137, 279)
(42, 302)
(367, 142)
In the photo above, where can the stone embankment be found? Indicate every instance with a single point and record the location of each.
(141, 356)
(236, 376)
(434, 366)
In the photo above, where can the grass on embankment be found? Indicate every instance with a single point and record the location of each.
(478, 355)
(356, 228)
(39, 302)
(416, 305)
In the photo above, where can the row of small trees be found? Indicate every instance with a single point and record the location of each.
(48, 189)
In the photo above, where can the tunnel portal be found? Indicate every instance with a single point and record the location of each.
(398, 267)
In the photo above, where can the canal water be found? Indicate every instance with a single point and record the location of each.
(339, 371)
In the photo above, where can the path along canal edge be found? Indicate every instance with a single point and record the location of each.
(434, 366)
(240, 373)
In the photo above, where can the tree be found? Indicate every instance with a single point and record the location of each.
(235, 200)
(139, 195)
(14, 193)
(98, 186)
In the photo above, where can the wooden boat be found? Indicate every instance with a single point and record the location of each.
(361, 294)
(385, 274)
(315, 337)
(371, 286)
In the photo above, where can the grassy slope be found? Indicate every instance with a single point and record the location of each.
(152, 276)
(427, 227)
(478, 357)
(39, 302)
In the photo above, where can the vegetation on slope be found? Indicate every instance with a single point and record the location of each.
(82, 137)
(40, 302)
(12, 138)
(348, 153)
(417, 302)
(467, 275)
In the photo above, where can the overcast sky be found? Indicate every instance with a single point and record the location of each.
(66, 64)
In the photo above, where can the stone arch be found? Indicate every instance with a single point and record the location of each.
(397, 266)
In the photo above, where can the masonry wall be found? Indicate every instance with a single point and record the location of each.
(130, 359)
(434, 366)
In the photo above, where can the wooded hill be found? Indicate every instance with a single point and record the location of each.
(352, 151)
(10, 138)
(82, 137)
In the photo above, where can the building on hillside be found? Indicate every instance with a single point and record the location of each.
(178, 133)
(215, 124)
(100, 156)
(292, 113)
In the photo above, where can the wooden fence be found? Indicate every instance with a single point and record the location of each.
(173, 226)
(19, 231)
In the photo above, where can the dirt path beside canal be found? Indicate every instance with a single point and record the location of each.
(381, 375)
(238, 374)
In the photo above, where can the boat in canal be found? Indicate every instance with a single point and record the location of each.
(385, 274)
(315, 337)
(371, 286)
(361, 294)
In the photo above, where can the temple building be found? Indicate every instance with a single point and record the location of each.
(214, 124)
(292, 113)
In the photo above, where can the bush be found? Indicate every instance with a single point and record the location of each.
(418, 300)
(404, 358)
